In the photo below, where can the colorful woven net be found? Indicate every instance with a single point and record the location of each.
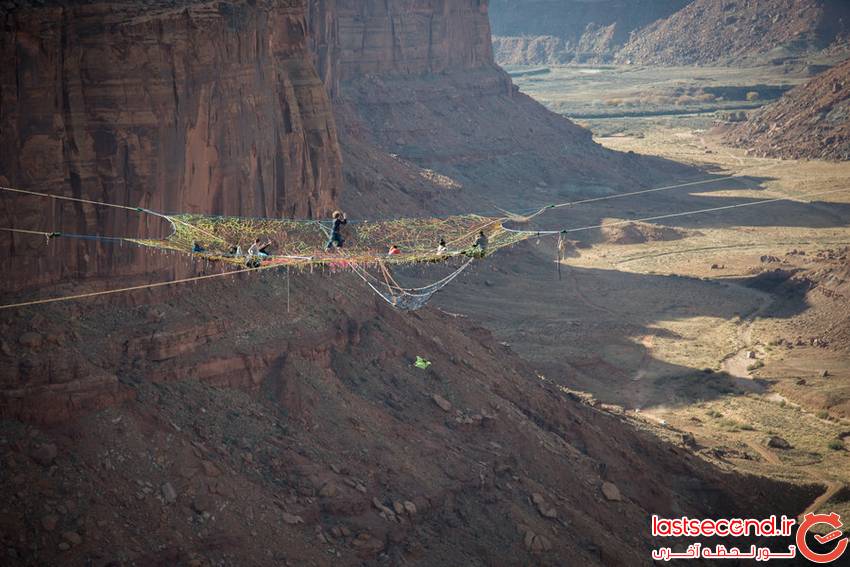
(366, 244)
(297, 242)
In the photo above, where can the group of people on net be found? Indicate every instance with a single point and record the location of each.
(259, 251)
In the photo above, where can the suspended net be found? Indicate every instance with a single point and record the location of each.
(297, 242)
(366, 245)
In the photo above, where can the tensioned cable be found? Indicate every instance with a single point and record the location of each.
(670, 215)
(76, 199)
(136, 287)
(357, 271)
(537, 212)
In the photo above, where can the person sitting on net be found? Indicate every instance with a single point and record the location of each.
(479, 247)
(336, 236)
(259, 250)
(265, 249)
(197, 248)
(394, 251)
(256, 254)
(442, 247)
(235, 251)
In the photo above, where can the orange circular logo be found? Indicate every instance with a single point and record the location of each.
(833, 520)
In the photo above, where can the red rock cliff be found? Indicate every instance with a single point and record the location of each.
(212, 107)
(429, 122)
(351, 39)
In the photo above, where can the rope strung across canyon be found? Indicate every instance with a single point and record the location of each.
(542, 233)
(302, 243)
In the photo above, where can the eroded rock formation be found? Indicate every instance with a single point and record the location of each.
(174, 107)
(709, 31)
(535, 32)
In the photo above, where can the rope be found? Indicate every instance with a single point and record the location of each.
(538, 212)
(36, 232)
(535, 211)
(670, 215)
(408, 290)
(64, 198)
(134, 288)
(416, 296)
(69, 235)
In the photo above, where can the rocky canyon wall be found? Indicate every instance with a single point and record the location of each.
(741, 32)
(186, 106)
(430, 123)
(535, 32)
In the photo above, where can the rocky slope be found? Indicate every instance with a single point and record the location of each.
(710, 31)
(103, 101)
(234, 420)
(535, 32)
(810, 121)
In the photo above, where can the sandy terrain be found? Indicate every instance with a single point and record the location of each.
(724, 333)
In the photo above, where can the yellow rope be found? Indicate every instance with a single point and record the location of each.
(135, 288)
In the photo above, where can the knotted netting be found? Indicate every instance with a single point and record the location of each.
(304, 243)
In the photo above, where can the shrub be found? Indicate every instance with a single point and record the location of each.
(836, 445)
(823, 414)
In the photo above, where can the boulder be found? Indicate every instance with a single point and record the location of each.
(168, 493)
(328, 490)
(776, 442)
(210, 469)
(72, 538)
(442, 402)
(611, 492)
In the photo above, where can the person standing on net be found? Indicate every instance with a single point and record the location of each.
(336, 236)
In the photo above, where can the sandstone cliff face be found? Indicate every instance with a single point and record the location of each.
(412, 36)
(429, 122)
(535, 32)
(354, 38)
(208, 107)
(810, 121)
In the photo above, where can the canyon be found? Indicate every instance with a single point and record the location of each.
(277, 417)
